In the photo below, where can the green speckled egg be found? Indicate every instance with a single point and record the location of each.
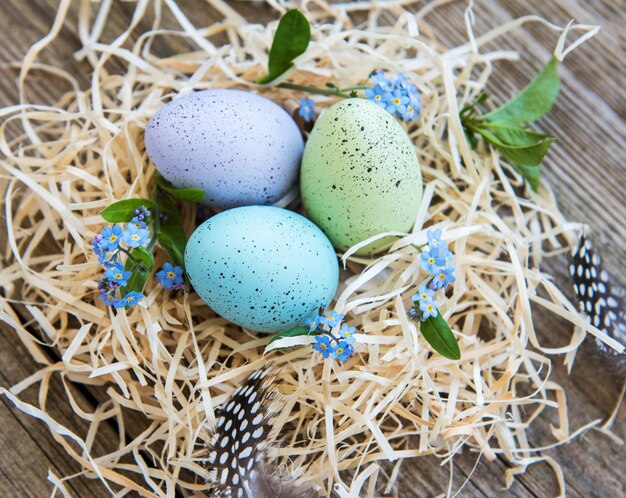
(360, 175)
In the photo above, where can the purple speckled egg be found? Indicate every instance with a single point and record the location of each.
(240, 148)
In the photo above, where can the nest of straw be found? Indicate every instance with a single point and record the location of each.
(171, 361)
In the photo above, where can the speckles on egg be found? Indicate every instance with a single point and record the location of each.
(360, 175)
(262, 267)
(240, 148)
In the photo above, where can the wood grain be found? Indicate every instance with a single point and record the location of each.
(586, 167)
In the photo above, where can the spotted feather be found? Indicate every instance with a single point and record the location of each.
(238, 454)
(597, 298)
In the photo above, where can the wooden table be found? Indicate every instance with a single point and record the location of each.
(586, 167)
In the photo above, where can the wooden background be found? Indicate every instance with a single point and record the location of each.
(586, 167)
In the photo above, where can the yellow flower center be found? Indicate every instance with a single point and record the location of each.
(135, 236)
(112, 238)
(339, 351)
(129, 299)
(424, 296)
(377, 97)
(396, 101)
(323, 346)
(118, 276)
(430, 307)
(171, 274)
(431, 261)
(347, 335)
(330, 318)
(441, 276)
(313, 324)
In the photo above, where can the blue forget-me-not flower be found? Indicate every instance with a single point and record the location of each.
(431, 259)
(397, 95)
(423, 293)
(380, 80)
(110, 244)
(428, 309)
(332, 320)
(118, 274)
(324, 345)
(307, 109)
(343, 351)
(111, 238)
(347, 333)
(437, 259)
(313, 322)
(170, 277)
(326, 342)
(134, 236)
(128, 300)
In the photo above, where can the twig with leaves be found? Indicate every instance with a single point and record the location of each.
(506, 128)
(148, 222)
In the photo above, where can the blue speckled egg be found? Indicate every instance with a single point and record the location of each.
(263, 268)
(240, 148)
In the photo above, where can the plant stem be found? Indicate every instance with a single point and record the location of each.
(155, 222)
(329, 334)
(358, 87)
(156, 216)
(316, 91)
(152, 243)
(473, 124)
(136, 264)
(419, 248)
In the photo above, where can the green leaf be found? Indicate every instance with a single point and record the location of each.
(290, 40)
(184, 194)
(470, 109)
(530, 173)
(518, 145)
(471, 138)
(170, 232)
(438, 334)
(138, 279)
(123, 211)
(523, 148)
(533, 101)
(296, 331)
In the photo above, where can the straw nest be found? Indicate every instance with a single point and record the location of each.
(171, 360)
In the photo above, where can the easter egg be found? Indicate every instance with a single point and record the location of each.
(360, 176)
(261, 267)
(240, 148)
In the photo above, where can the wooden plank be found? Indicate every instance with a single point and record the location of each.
(586, 170)
(27, 462)
(24, 464)
(591, 109)
(586, 164)
(27, 449)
